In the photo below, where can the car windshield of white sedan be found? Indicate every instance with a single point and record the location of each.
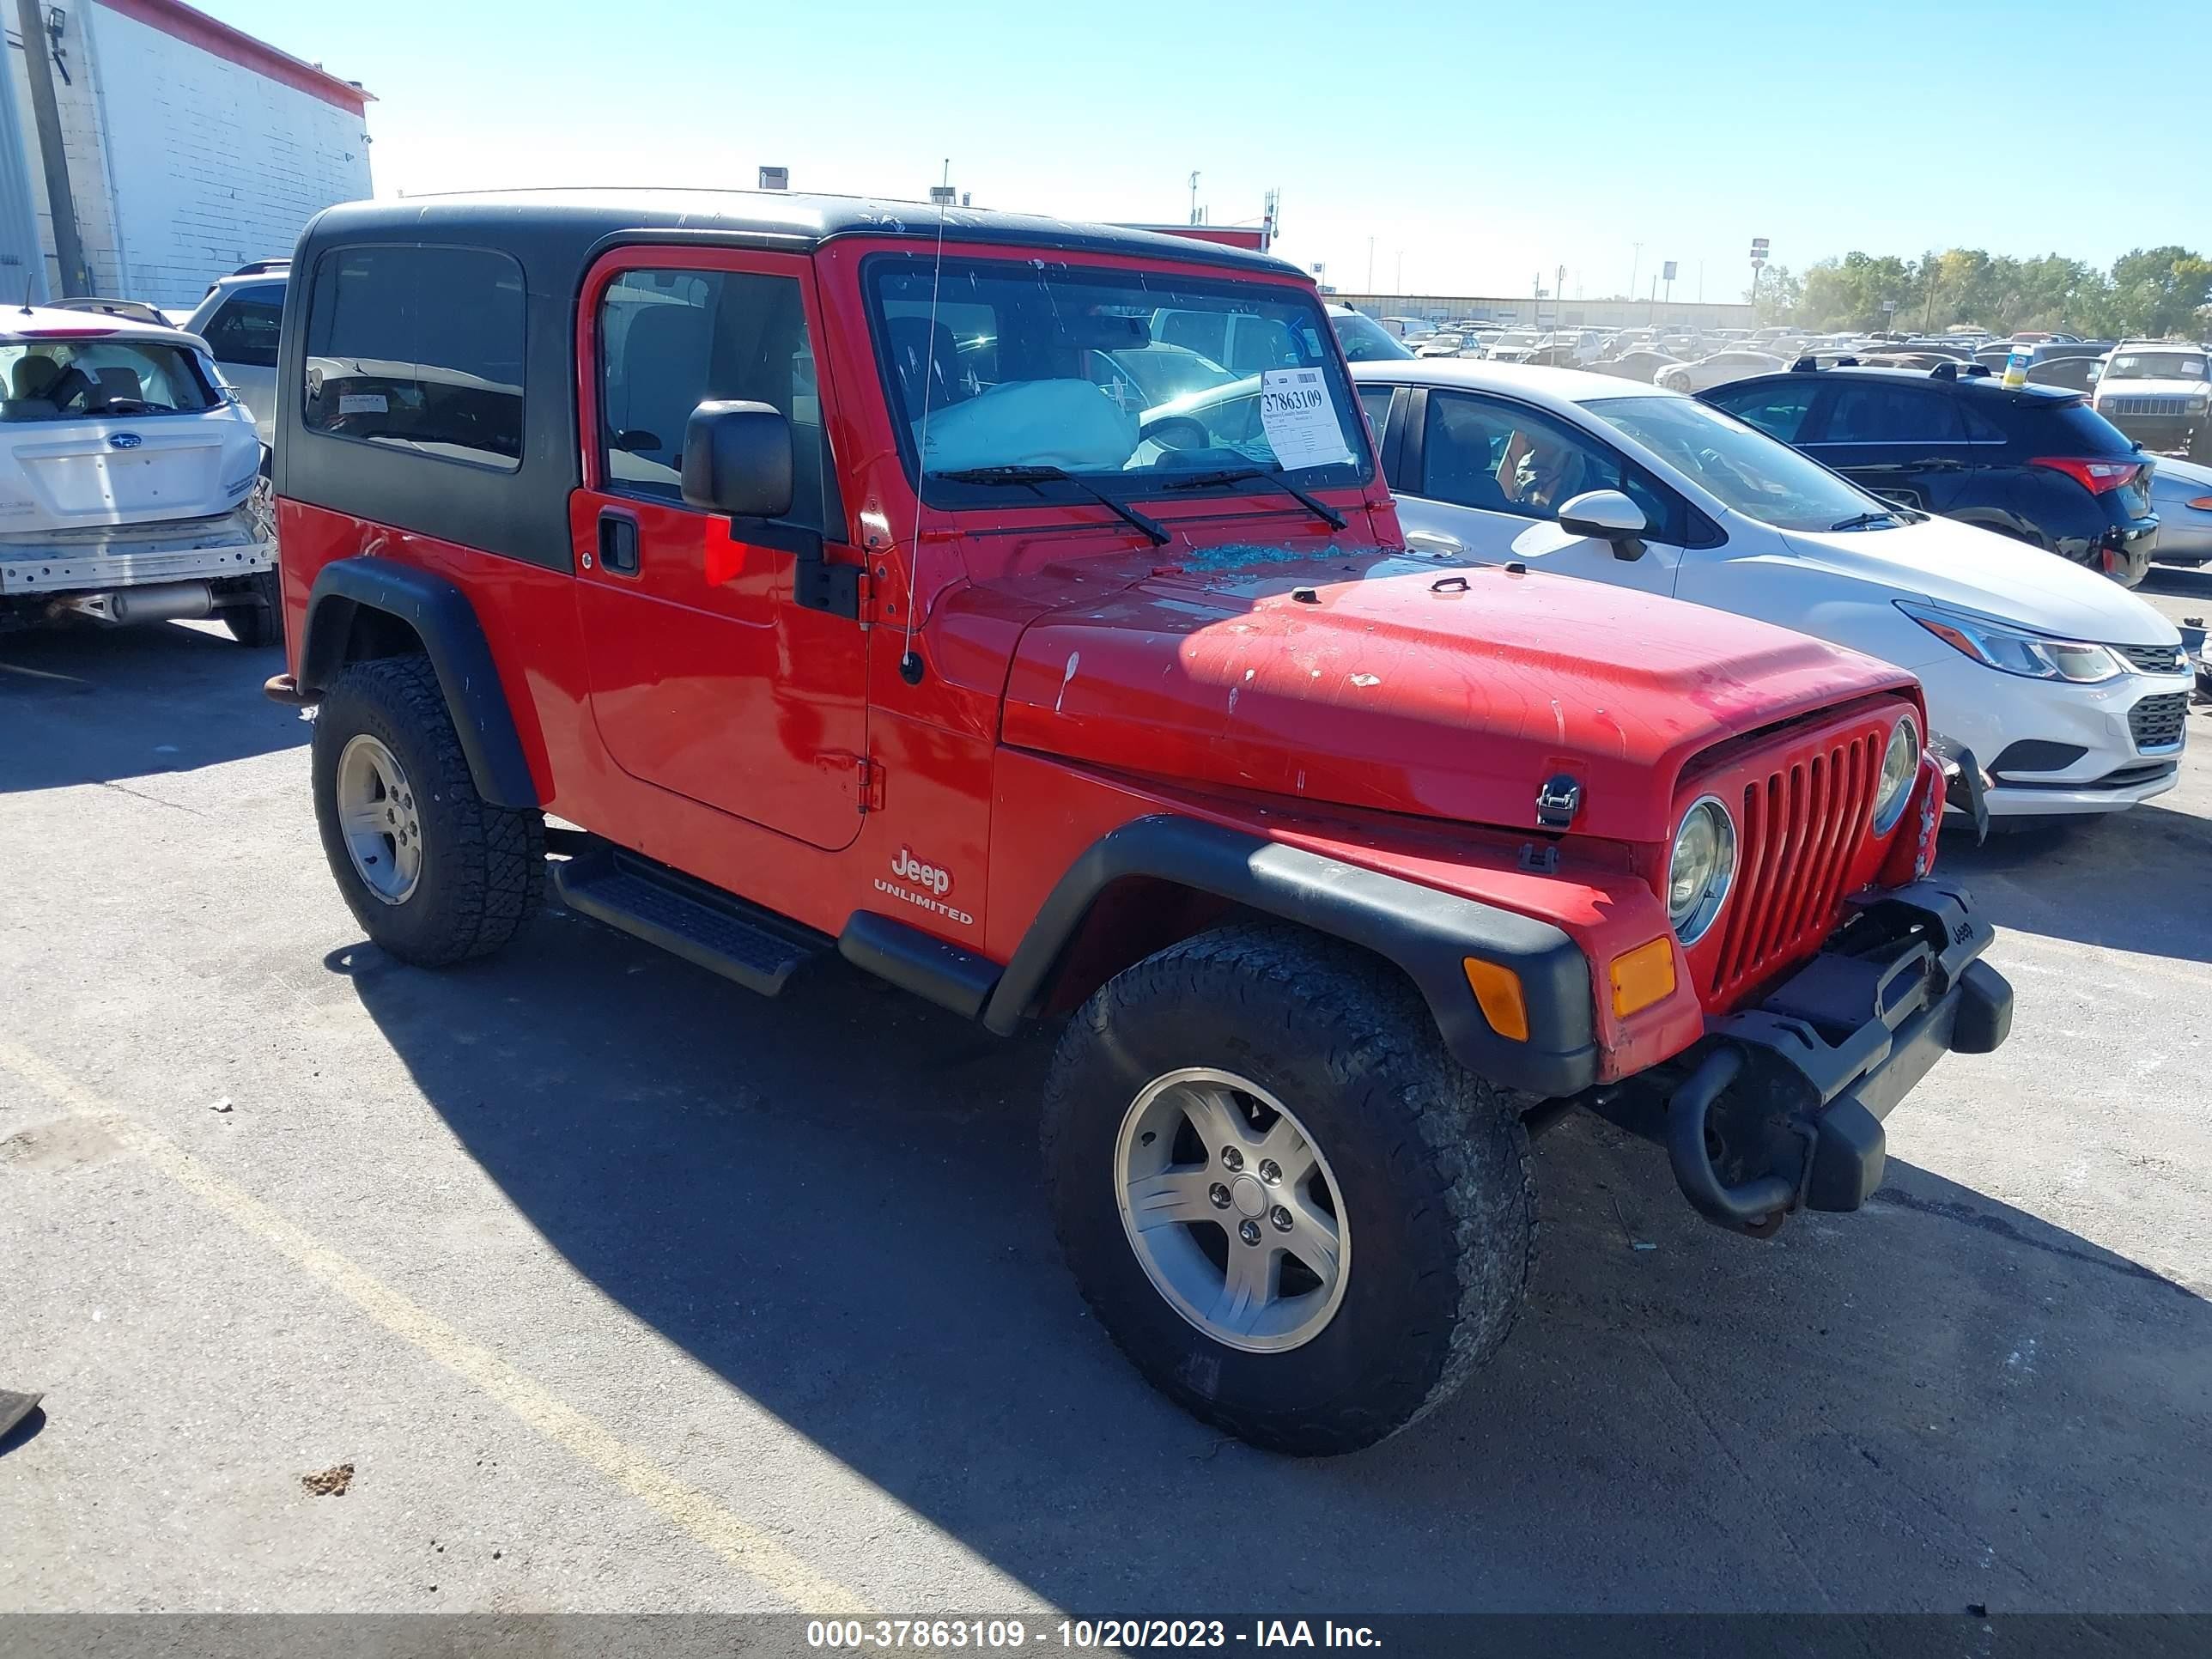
(1044, 368)
(1760, 478)
(87, 379)
(2156, 366)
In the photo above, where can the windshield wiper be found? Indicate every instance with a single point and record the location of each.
(1037, 475)
(1313, 504)
(1860, 521)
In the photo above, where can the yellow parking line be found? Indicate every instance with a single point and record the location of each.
(758, 1555)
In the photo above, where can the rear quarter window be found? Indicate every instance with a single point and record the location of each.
(418, 349)
(2072, 428)
(244, 330)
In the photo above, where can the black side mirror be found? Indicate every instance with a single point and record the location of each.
(1606, 515)
(738, 460)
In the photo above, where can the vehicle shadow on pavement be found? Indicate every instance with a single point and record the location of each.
(2093, 881)
(95, 705)
(834, 1200)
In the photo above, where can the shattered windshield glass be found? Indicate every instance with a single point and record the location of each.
(1116, 378)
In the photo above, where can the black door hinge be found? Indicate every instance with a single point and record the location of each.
(817, 585)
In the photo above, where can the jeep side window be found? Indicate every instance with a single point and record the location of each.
(418, 348)
(671, 339)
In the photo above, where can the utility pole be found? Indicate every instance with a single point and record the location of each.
(1370, 265)
(1193, 172)
(68, 252)
(1635, 267)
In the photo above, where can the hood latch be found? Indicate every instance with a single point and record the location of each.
(1558, 802)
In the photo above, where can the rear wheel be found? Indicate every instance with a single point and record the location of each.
(255, 620)
(433, 872)
(1287, 1204)
(258, 620)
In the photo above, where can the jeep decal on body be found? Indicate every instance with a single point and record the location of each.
(932, 882)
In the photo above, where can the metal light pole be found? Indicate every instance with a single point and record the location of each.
(1635, 268)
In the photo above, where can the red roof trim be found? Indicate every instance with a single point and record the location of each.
(197, 28)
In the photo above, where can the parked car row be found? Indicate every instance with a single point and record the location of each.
(2064, 691)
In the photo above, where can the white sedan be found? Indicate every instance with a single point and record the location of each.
(1719, 369)
(2069, 692)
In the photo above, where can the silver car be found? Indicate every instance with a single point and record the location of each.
(2181, 496)
(239, 318)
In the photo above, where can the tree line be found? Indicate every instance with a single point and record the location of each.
(2150, 294)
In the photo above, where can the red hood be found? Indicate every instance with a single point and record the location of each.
(1400, 690)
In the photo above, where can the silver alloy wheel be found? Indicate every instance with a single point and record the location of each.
(1232, 1210)
(377, 815)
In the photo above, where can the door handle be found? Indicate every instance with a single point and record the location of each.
(618, 543)
(1430, 541)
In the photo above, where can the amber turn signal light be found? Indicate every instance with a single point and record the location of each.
(1643, 976)
(1498, 989)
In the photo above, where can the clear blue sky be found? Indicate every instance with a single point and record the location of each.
(1485, 144)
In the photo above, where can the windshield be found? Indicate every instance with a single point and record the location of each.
(2156, 366)
(1751, 472)
(80, 379)
(1365, 340)
(1110, 374)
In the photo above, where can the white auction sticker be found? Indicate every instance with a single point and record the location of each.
(1300, 419)
(363, 403)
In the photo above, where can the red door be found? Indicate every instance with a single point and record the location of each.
(708, 678)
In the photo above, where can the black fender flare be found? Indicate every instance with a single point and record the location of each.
(1428, 934)
(440, 614)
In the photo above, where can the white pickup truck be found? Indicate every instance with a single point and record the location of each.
(133, 487)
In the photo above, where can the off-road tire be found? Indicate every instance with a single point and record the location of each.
(253, 625)
(483, 867)
(1433, 1164)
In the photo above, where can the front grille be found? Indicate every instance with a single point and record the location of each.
(2155, 658)
(2110, 406)
(1799, 827)
(2156, 722)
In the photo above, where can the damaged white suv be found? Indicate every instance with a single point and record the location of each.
(133, 487)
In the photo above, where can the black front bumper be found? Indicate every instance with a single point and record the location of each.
(1782, 1105)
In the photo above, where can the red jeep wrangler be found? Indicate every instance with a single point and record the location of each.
(1016, 609)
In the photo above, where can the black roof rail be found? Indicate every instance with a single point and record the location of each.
(1804, 364)
(259, 267)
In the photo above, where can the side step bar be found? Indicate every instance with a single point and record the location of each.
(716, 931)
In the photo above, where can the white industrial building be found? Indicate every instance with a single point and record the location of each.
(186, 150)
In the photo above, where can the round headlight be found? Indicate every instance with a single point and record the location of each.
(1900, 764)
(1703, 866)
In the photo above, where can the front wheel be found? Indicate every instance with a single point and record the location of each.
(1287, 1204)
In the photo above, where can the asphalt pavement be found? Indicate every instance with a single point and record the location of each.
(579, 1279)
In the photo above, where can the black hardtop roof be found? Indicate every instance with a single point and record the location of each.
(543, 226)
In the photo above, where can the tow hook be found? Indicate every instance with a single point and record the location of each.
(1755, 1206)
